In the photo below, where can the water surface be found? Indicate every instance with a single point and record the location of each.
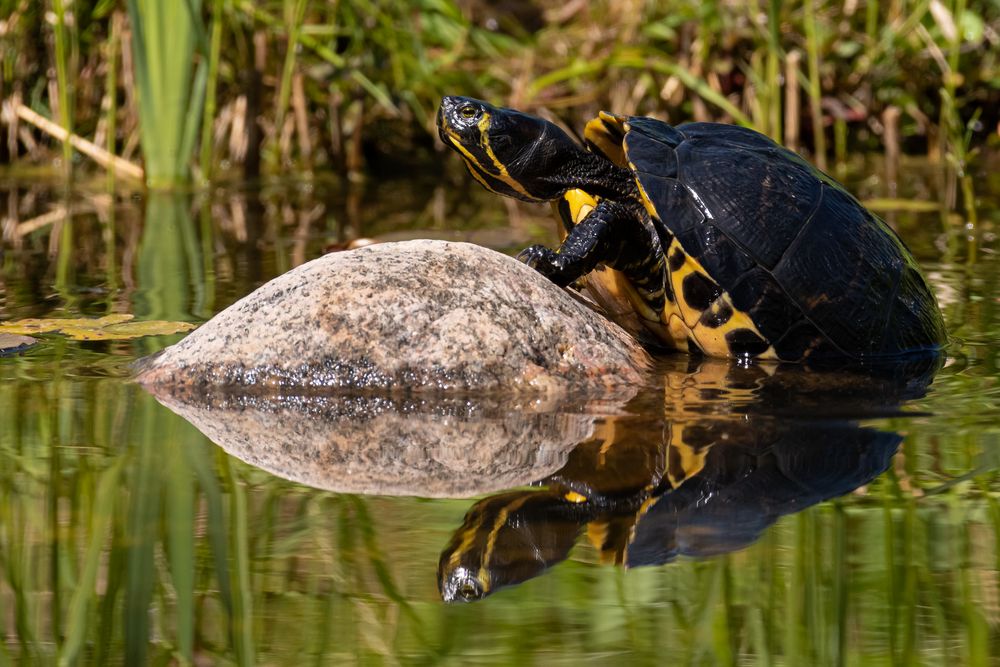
(721, 514)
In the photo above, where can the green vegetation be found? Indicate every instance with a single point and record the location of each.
(303, 84)
(164, 36)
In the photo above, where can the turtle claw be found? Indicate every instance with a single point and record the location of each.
(536, 256)
(545, 261)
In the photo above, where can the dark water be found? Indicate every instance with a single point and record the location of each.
(756, 515)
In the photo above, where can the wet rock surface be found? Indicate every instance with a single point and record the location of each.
(411, 316)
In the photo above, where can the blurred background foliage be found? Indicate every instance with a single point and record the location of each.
(240, 88)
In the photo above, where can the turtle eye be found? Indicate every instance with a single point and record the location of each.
(468, 111)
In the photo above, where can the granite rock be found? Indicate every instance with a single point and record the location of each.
(411, 316)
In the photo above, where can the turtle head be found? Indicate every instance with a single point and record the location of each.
(509, 152)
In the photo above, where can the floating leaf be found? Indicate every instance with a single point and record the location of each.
(109, 327)
(15, 343)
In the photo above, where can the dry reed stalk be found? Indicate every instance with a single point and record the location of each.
(255, 84)
(793, 104)
(301, 117)
(890, 140)
(96, 153)
(57, 214)
(130, 122)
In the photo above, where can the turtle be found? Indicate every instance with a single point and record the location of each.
(723, 242)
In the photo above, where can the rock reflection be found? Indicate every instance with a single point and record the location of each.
(735, 449)
(435, 447)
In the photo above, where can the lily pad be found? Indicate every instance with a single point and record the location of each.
(109, 327)
(10, 343)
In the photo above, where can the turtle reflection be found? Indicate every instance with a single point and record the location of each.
(723, 471)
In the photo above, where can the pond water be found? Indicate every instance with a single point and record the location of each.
(720, 515)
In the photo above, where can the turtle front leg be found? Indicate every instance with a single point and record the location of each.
(589, 243)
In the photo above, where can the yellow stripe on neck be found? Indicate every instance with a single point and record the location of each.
(503, 175)
(476, 167)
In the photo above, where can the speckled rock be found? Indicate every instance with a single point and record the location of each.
(413, 316)
(431, 447)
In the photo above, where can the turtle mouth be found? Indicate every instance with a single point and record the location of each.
(446, 137)
(447, 129)
(463, 585)
(441, 123)
(453, 128)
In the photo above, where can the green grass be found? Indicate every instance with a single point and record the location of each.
(371, 74)
(165, 37)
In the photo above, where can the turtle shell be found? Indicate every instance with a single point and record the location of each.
(758, 232)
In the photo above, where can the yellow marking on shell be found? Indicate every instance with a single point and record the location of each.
(712, 341)
(689, 314)
(598, 133)
(597, 535)
(678, 331)
(647, 504)
(650, 209)
(690, 458)
(503, 175)
(574, 497)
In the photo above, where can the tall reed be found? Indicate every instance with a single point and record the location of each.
(211, 91)
(65, 96)
(165, 38)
